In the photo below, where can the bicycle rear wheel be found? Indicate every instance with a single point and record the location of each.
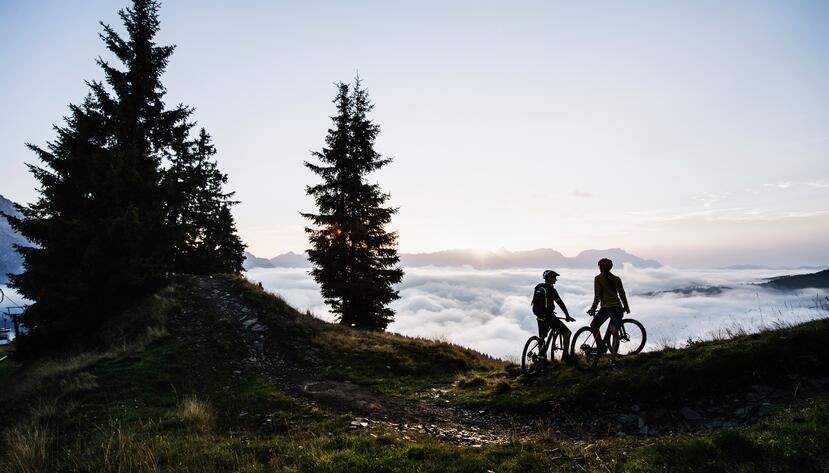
(531, 355)
(583, 348)
(632, 337)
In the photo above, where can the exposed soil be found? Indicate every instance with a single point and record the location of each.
(307, 382)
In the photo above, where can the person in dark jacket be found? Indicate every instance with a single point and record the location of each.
(547, 295)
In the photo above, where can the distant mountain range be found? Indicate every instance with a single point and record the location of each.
(757, 266)
(501, 259)
(10, 261)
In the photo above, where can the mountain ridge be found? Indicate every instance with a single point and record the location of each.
(500, 259)
(10, 260)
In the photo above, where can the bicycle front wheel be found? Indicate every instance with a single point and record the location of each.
(583, 348)
(632, 337)
(531, 355)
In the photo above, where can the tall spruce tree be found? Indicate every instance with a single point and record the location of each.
(200, 210)
(100, 222)
(355, 259)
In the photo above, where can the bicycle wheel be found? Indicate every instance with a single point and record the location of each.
(583, 348)
(632, 337)
(531, 355)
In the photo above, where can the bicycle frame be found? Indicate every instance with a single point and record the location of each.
(552, 334)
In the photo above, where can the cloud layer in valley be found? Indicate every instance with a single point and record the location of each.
(489, 310)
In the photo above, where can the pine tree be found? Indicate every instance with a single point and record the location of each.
(355, 259)
(200, 209)
(99, 224)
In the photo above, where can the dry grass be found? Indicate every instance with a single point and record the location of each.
(27, 449)
(197, 414)
(124, 452)
(78, 382)
(44, 375)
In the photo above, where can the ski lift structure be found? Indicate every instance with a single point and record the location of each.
(11, 319)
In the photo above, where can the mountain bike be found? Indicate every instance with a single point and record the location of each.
(629, 339)
(536, 349)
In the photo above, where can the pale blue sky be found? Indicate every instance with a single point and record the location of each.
(692, 132)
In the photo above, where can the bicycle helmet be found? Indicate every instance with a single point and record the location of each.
(548, 274)
(605, 264)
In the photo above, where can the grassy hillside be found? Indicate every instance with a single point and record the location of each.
(779, 363)
(183, 394)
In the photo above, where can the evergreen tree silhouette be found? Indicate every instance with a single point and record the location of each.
(200, 210)
(100, 221)
(355, 259)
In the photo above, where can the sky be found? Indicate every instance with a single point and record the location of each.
(695, 133)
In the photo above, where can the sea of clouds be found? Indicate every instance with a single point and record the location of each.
(490, 310)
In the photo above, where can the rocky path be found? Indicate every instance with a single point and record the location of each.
(433, 417)
(369, 409)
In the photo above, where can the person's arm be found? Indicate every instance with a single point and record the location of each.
(623, 296)
(597, 291)
(560, 303)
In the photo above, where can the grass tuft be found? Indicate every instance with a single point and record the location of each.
(27, 448)
(197, 414)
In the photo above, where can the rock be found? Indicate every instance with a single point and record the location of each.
(690, 414)
(765, 409)
(628, 419)
(714, 424)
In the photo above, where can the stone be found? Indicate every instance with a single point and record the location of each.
(714, 424)
(690, 414)
(258, 328)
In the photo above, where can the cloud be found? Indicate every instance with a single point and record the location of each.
(820, 184)
(490, 312)
(707, 199)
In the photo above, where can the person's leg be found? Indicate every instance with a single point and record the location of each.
(596, 324)
(560, 327)
(543, 329)
(611, 340)
(615, 323)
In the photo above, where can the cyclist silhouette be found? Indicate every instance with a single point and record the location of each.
(608, 291)
(545, 297)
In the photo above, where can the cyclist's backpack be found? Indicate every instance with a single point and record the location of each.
(539, 302)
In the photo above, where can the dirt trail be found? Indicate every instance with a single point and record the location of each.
(307, 382)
